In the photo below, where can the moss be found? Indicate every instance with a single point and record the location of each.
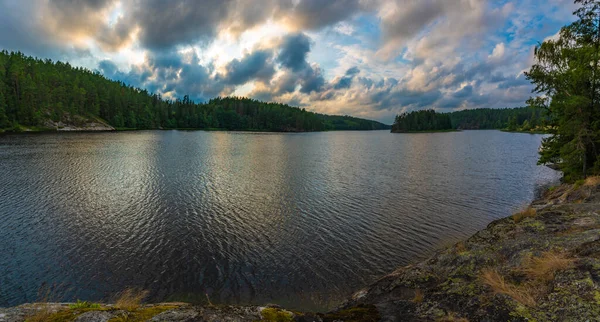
(67, 315)
(536, 225)
(367, 313)
(522, 311)
(276, 315)
(142, 314)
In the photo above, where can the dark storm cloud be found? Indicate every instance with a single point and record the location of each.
(312, 80)
(165, 23)
(292, 58)
(294, 49)
(256, 65)
(169, 73)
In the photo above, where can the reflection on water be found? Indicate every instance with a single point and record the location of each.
(297, 219)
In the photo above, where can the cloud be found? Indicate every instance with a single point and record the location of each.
(369, 58)
(256, 65)
(294, 49)
(315, 14)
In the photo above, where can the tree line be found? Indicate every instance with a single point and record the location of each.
(33, 91)
(511, 119)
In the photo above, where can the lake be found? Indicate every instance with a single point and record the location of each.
(298, 219)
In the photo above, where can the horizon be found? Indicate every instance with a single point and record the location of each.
(366, 59)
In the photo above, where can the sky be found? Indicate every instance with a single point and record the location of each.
(365, 58)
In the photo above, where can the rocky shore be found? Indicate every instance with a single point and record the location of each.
(542, 264)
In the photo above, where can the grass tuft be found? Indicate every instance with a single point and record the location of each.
(527, 213)
(522, 294)
(130, 299)
(544, 267)
(592, 181)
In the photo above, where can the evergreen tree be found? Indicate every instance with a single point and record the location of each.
(567, 78)
(4, 122)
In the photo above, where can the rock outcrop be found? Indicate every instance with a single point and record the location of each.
(542, 264)
(70, 123)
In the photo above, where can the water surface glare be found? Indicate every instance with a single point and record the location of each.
(301, 220)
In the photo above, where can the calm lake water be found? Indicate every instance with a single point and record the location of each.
(301, 220)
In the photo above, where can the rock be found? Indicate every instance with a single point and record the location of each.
(187, 315)
(94, 316)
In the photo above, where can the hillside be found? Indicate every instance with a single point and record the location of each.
(38, 94)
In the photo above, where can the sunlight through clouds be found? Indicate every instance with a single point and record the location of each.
(408, 54)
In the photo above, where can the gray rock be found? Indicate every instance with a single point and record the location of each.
(185, 315)
(94, 316)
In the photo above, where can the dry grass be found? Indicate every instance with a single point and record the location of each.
(130, 299)
(418, 296)
(520, 293)
(527, 213)
(460, 247)
(544, 267)
(42, 314)
(592, 181)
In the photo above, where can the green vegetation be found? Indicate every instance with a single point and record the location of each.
(34, 92)
(566, 77)
(276, 315)
(417, 121)
(521, 119)
(84, 305)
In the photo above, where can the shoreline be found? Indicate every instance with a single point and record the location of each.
(540, 264)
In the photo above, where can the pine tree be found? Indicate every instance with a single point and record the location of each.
(4, 122)
(567, 78)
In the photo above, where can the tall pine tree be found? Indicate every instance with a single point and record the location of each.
(566, 77)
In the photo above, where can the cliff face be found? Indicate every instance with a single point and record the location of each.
(542, 264)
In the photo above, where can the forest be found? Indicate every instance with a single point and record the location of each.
(35, 91)
(521, 119)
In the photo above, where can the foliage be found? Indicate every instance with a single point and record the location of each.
(524, 119)
(276, 315)
(511, 119)
(425, 120)
(84, 305)
(566, 80)
(33, 91)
